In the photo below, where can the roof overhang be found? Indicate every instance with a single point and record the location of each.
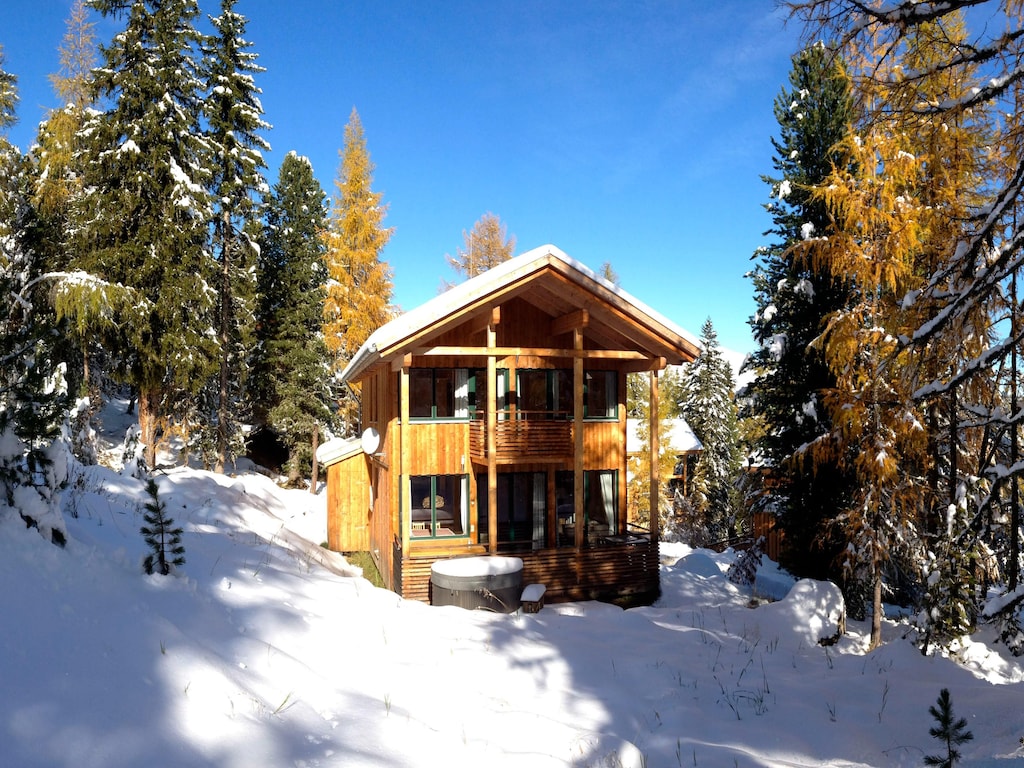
(549, 278)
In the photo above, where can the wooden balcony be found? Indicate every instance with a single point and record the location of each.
(529, 436)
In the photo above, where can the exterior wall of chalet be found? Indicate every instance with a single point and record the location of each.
(503, 431)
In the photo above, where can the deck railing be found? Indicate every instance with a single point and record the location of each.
(526, 435)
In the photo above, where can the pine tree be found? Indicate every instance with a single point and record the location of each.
(485, 246)
(161, 535)
(709, 407)
(793, 302)
(291, 375)
(144, 224)
(359, 289)
(234, 117)
(32, 392)
(949, 729)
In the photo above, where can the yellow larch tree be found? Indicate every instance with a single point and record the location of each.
(359, 287)
(485, 246)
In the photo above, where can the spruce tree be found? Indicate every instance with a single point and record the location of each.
(144, 225)
(794, 300)
(485, 246)
(709, 407)
(948, 729)
(358, 297)
(291, 371)
(161, 535)
(234, 121)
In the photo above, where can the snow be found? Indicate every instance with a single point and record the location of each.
(486, 565)
(266, 649)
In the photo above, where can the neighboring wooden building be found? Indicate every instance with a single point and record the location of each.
(495, 422)
(676, 436)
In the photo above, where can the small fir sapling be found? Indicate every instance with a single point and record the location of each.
(950, 730)
(160, 534)
(743, 571)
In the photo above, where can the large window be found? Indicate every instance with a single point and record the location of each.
(477, 388)
(522, 510)
(438, 393)
(547, 393)
(600, 506)
(438, 505)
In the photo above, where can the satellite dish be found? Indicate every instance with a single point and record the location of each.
(370, 440)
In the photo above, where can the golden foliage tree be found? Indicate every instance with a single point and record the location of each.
(486, 246)
(359, 288)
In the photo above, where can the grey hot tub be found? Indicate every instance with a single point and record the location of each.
(490, 583)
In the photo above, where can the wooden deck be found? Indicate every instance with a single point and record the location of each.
(614, 570)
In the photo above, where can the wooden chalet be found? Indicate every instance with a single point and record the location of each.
(494, 420)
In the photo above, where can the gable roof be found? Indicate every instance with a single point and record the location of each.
(555, 280)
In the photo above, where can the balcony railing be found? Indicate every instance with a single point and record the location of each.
(524, 436)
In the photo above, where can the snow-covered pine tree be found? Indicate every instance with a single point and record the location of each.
(290, 386)
(793, 301)
(485, 246)
(709, 407)
(144, 224)
(33, 397)
(358, 298)
(234, 119)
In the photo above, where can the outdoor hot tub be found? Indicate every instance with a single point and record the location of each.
(489, 583)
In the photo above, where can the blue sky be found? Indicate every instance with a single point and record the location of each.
(629, 132)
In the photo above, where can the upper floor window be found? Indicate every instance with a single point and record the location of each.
(601, 395)
(438, 393)
(547, 392)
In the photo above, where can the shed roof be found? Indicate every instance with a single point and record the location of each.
(549, 278)
(678, 435)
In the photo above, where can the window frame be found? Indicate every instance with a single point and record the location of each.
(432, 534)
(460, 381)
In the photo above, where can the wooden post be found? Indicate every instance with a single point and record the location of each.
(655, 468)
(492, 426)
(577, 434)
(405, 491)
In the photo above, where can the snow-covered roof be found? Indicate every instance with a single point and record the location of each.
(389, 337)
(337, 449)
(677, 434)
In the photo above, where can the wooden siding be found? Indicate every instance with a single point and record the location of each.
(605, 572)
(439, 448)
(348, 485)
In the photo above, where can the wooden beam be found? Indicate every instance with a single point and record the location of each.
(584, 354)
(401, 362)
(577, 434)
(485, 321)
(405, 490)
(653, 422)
(571, 322)
(643, 366)
(492, 444)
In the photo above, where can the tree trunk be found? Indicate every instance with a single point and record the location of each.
(148, 400)
(315, 474)
(225, 344)
(876, 602)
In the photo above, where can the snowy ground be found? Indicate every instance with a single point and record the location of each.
(266, 650)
